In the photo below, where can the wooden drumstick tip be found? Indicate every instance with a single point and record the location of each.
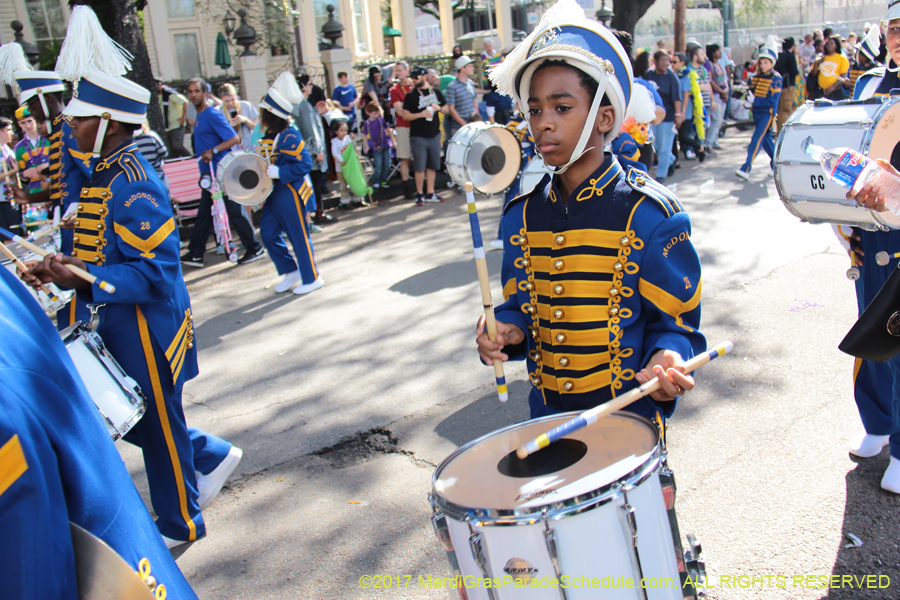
(522, 453)
(468, 187)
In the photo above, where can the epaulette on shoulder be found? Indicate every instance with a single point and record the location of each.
(642, 183)
(132, 166)
(538, 190)
(874, 72)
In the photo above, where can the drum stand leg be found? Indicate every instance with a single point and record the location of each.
(550, 539)
(690, 564)
(629, 521)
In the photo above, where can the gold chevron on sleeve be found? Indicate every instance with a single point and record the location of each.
(296, 152)
(668, 303)
(146, 246)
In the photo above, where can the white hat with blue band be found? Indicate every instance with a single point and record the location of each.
(16, 70)
(282, 96)
(770, 49)
(893, 11)
(566, 34)
(870, 44)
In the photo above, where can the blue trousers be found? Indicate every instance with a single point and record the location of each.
(762, 137)
(284, 211)
(172, 451)
(382, 165)
(664, 135)
(876, 386)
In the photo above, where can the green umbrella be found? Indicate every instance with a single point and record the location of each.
(223, 58)
(390, 31)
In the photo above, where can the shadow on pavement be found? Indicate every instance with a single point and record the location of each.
(485, 415)
(871, 514)
(451, 275)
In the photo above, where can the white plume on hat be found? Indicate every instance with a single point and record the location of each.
(12, 60)
(504, 74)
(870, 44)
(87, 47)
(642, 106)
(287, 88)
(770, 49)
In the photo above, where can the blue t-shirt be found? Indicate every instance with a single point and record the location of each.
(211, 129)
(668, 88)
(344, 95)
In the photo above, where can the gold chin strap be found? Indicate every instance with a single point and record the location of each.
(101, 133)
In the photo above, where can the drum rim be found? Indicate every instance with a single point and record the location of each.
(223, 166)
(552, 510)
(479, 127)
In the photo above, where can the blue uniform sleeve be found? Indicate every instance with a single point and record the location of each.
(292, 160)
(775, 89)
(147, 236)
(670, 287)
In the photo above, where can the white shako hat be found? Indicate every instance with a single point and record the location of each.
(770, 49)
(112, 98)
(282, 96)
(870, 44)
(566, 34)
(893, 12)
(15, 70)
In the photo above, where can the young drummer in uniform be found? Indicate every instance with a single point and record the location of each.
(125, 235)
(60, 465)
(876, 386)
(601, 279)
(766, 89)
(284, 210)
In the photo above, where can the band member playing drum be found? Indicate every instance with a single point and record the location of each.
(602, 282)
(876, 386)
(285, 209)
(60, 465)
(125, 235)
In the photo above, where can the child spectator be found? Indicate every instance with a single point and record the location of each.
(378, 135)
(340, 141)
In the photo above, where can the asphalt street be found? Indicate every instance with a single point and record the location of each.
(344, 402)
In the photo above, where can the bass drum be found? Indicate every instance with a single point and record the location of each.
(242, 177)
(487, 155)
(532, 175)
(867, 126)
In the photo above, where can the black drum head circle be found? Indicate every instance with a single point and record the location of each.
(248, 179)
(552, 459)
(493, 160)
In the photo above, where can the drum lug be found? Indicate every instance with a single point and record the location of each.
(550, 539)
(689, 563)
(479, 553)
(696, 566)
(439, 522)
(629, 522)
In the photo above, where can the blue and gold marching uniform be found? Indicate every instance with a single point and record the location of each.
(599, 285)
(285, 209)
(69, 170)
(766, 90)
(126, 235)
(876, 386)
(58, 464)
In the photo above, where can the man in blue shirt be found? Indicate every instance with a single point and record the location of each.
(669, 89)
(345, 96)
(213, 138)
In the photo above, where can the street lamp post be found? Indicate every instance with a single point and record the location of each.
(603, 14)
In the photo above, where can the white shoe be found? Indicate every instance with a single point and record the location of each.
(209, 485)
(743, 175)
(891, 479)
(170, 543)
(496, 244)
(867, 446)
(689, 154)
(309, 287)
(289, 281)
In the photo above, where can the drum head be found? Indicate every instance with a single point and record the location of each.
(491, 157)
(486, 474)
(244, 179)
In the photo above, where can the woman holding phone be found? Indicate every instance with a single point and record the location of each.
(242, 115)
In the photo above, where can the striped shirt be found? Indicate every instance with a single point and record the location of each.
(152, 148)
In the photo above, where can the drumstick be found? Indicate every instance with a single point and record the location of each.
(39, 233)
(484, 282)
(883, 258)
(23, 267)
(589, 417)
(108, 287)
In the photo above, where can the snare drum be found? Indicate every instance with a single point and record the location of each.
(118, 397)
(868, 126)
(47, 242)
(244, 178)
(489, 156)
(570, 513)
(532, 174)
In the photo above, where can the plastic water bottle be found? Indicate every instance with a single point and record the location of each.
(852, 170)
(709, 187)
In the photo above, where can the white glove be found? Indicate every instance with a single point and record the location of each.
(272, 171)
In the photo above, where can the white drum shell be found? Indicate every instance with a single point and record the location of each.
(532, 175)
(464, 157)
(590, 536)
(803, 186)
(63, 296)
(117, 396)
(228, 177)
